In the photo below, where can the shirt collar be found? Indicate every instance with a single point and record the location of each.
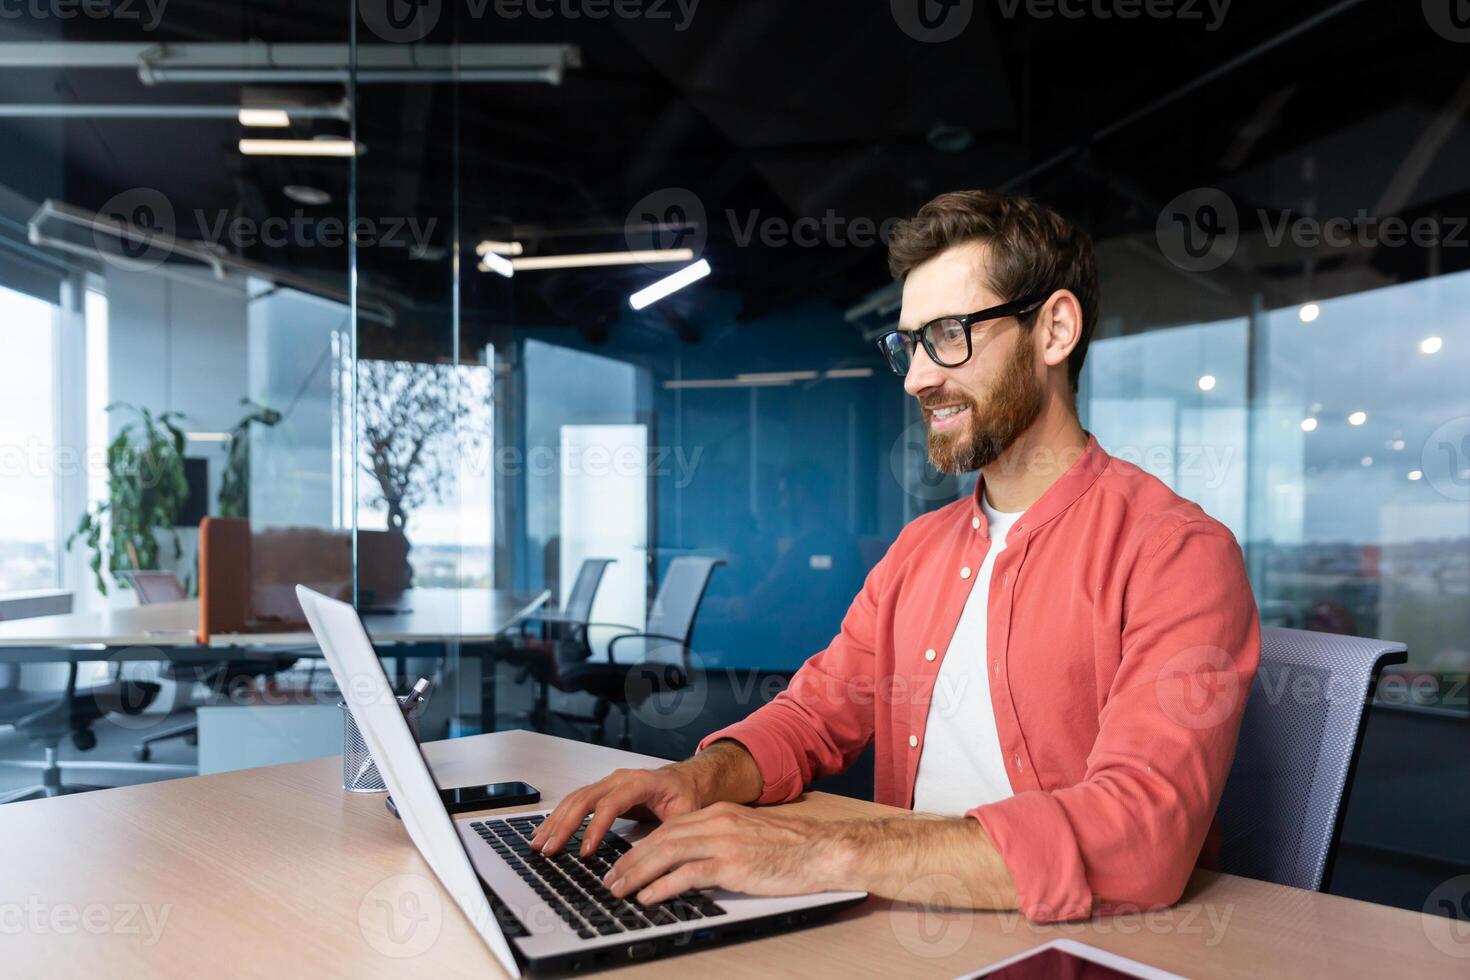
(1079, 476)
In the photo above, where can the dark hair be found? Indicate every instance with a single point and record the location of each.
(1033, 250)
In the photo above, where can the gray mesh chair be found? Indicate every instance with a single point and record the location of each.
(641, 662)
(1281, 812)
(567, 627)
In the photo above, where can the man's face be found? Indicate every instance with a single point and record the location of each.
(974, 412)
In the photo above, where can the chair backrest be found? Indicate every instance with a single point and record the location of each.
(1281, 810)
(578, 605)
(154, 587)
(29, 605)
(679, 596)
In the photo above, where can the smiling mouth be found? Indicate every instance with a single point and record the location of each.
(941, 419)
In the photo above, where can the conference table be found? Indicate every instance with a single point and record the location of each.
(277, 872)
(169, 630)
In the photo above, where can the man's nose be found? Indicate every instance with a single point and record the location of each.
(923, 374)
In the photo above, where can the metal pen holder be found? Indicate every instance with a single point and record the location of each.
(359, 772)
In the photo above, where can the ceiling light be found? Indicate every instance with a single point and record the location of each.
(489, 247)
(1309, 312)
(1357, 418)
(669, 284)
(493, 262)
(298, 148)
(1366, 461)
(1431, 345)
(774, 377)
(587, 260)
(1206, 382)
(207, 436)
(1309, 424)
(1397, 445)
(835, 373)
(302, 194)
(264, 117)
(1416, 475)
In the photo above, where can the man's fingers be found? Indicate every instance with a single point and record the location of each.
(650, 859)
(564, 820)
(693, 874)
(608, 809)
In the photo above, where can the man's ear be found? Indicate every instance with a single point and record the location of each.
(1060, 322)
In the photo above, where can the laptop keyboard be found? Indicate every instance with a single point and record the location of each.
(572, 885)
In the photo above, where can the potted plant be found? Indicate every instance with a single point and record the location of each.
(234, 486)
(146, 489)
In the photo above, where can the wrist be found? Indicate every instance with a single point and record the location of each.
(723, 772)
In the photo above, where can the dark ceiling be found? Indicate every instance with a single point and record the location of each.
(764, 108)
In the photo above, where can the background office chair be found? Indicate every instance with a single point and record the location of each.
(1281, 811)
(639, 663)
(567, 627)
(153, 587)
(45, 711)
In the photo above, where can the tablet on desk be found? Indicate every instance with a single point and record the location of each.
(1067, 959)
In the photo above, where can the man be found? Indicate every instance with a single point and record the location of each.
(1052, 670)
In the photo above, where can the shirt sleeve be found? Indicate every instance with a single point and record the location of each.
(824, 719)
(1128, 834)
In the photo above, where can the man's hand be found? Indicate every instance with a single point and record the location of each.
(730, 846)
(723, 771)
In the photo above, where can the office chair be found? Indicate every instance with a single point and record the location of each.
(654, 659)
(1280, 815)
(152, 587)
(46, 713)
(536, 656)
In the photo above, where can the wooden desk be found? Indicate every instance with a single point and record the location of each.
(277, 872)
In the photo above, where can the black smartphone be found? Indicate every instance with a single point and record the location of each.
(485, 796)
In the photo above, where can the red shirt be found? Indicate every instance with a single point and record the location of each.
(1122, 639)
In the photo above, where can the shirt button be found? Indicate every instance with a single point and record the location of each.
(913, 741)
(930, 654)
(975, 523)
(965, 572)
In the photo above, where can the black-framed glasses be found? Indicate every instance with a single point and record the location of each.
(947, 340)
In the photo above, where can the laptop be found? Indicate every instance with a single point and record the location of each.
(536, 914)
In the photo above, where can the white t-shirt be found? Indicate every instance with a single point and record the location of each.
(962, 766)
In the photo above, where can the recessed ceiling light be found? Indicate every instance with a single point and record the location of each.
(264, 117)
(302, 194)
(1431, 345)
(1397, 445)
(1357, 418)
(1366, 461)
(333, 147)
(1206, 382)
(1416, 475)
(1309, 312)
(1309, 424)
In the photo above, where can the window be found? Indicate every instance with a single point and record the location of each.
(29, 531)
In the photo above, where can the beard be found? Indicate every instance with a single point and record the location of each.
(1013, 404)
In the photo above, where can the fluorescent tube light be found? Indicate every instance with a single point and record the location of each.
(587, 260)
(264, 117)
(489, 247)
(492, 262)
(670, 284)
(298, 148)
